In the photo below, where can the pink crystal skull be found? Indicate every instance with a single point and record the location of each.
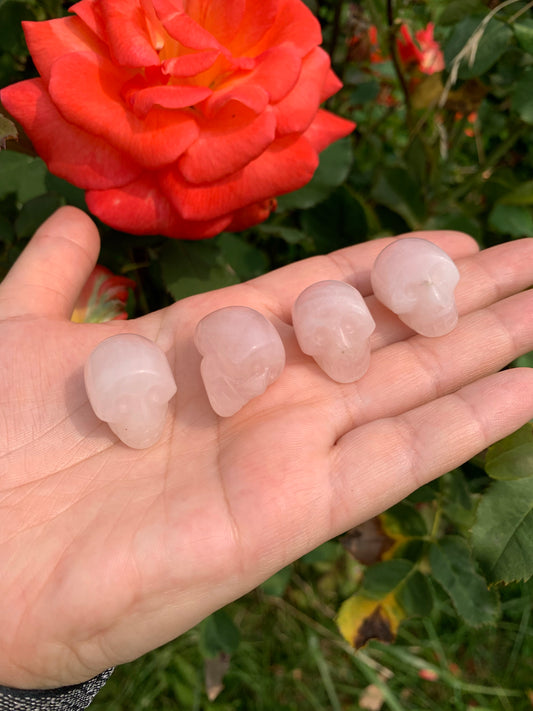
(129, 384)
(242, 355)
(333, 325)
(416, 280)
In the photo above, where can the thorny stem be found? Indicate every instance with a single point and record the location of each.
(336, 30)
(397, 65)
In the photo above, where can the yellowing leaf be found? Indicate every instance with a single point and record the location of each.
(361, 619)
(427, 92)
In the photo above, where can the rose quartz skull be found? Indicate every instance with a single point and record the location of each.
(242, 355)
(333, 324)
(129, 383)
(416, 280)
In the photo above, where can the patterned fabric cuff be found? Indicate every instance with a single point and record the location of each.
(67, 698)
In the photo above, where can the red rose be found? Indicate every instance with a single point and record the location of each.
(425, 53)
(179, 117)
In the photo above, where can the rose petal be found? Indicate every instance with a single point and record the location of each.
(99, 109)
(89, 12)
(295, 112)
(168, 97)
(219, 17)
(53, 38)
(226, 145)
(251, 215)
(127, 33)
(70, 153)
(140, 208)
(183, 28)
(331, 86)
(286, 165)
(327, 128)
(250, 95)
(294, 24)
(274, 76)
(256, 21)
(189, 65)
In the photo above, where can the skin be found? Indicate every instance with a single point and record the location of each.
(107, 552)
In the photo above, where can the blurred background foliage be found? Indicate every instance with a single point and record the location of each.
(442, 93)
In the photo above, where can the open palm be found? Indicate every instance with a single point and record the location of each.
(107, 552)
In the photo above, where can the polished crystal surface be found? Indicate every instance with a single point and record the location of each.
(129, 383)
(242, 355)
(333, 325)
(416, 280)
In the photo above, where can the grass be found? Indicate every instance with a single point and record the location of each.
(290, 657)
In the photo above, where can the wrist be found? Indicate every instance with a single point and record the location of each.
(65, 698)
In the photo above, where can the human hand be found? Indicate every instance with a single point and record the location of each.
(107, 552)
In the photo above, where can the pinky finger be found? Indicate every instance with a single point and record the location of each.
(381, 463)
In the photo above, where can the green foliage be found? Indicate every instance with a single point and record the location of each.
(503, 533)
(452, 567)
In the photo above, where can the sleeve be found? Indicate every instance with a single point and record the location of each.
(67, 698)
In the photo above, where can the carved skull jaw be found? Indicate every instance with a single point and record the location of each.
(140, 420)
(344, 366)
(242, 355)
(416, 280)
(129, 385)
(333, 325)
(228, 390)
(434, 314)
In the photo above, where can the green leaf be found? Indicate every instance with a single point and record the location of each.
(502, 536)
(335, 163)
(454, 569)
(218, 633)
(524, 361)
(404, 520)
(457, 10)
(337, 222)
(522, 195)
(522, 99)
(396, 189)
(511, 220)
(512, 458)
(416, 595)
(382, 578)
(277, 583)
(194, 267)
(523, 29)
(34, 213)
(457, 501)
(365, 92)
(22, 175)
(289, 234)
(11, 36)
(245, 259)
(495, 39)
(71, 194)
(455, 221)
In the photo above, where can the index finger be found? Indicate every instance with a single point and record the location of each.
(280, 289)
